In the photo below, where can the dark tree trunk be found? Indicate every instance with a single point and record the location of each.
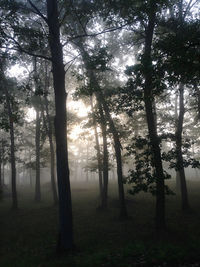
(49, 130)
(198, 100)
(3, 172)
(98, 150)
(117, 144)
(12, 152)
(37, 163)
(178, 184)
(152, 127)
(180, 166)
(87, 173)
(52, 155)
(105, 158)
(65, 241)
(117, 147)
(1, 184)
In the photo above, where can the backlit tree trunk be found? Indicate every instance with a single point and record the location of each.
(97, 149)
(105, 158)
(1, 184)
(49, 130)
(65, 241)
(12, 151)
(37, 145)
(152, 127)
(178, 135)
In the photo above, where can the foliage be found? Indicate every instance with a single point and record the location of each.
(142, 177)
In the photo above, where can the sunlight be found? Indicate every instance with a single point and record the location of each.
(79, 108)
(30, 114)
(17, 71)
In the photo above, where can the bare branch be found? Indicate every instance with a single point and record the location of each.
(19, 48)
(38, 11)
(71, 63)
(189, 7)
(79, 20)
(94, 34)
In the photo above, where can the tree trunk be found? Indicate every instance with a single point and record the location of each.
(180, 166)
(98, 150)
(117, 144)
(178, 184)
(198, 100)
(105, 159)
(117, 147)
(87, 173)
(152, 127)
(1, 184)
(37, 165)
(65, 241)
(49, 130)
(12, 152)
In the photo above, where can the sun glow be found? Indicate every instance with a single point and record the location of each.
(79, 108)
(30, 114)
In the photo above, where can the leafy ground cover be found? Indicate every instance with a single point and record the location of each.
(28, 236)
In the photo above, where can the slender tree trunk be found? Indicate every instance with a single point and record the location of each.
(1, 184)
(98, 150)
(180, 166)
(3, 173)
(12, 152)
(152, 127)
(117, 147)
(117, 144)
(87, 174)
(49, 130)
(65, 241)
(198, 100)
(105, 159)
(178, 184)
(37, 145)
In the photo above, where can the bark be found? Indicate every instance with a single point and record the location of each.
(180, 165)
(65, 241)
(37, 167)
(12, 152)
(98, 150)
(152, 127)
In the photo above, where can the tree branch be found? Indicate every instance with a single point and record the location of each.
(71, 62)
(189, 6)
(38, 11)
(19, 48)
(95, 34)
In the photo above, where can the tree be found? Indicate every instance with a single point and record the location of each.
(49, 130)
(65, 241)
(12, 117)
(89, 65)
(36, 43)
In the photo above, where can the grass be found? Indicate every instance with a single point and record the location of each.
(28, 236)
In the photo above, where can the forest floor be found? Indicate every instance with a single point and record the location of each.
(28, 235)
